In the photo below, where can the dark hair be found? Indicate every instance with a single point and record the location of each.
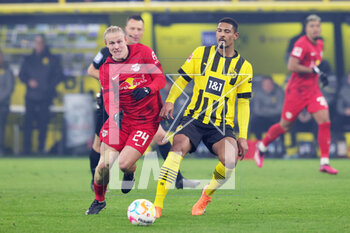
(134, 17)
(43, 37)
(231, 21)
(268, 77)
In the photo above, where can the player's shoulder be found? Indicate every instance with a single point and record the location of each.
(247, 64)
(301, 42)
(140, 47)
(142, 50)
(244, 61)
(201, 49)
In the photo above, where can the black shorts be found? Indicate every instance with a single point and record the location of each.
(208, 133)
(101, 115)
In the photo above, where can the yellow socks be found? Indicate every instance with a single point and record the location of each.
(167, 176)
(221, 174)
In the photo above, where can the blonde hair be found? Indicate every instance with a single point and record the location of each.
(113, 29)
(312, 17)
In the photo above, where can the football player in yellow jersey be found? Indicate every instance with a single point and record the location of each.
(221, 76)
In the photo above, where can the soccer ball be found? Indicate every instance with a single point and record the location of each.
(141, 212)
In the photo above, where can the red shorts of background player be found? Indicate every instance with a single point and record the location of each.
(295, 101)
(136, 136)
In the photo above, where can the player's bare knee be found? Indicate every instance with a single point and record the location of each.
(229, 161)
(181, 145)
(323, 120)
(286, 125)
(124, 165)
(104, 162)
(179, 150)
(160, 139)
(101, 175)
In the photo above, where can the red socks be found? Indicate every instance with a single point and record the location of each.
(274, 132)
(324, 138)
(100, 191)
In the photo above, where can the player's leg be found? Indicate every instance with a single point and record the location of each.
(94, 158)
(170, 168)
(107, 158)
(274, 132)
(324, 139)
(136, 144)
(186, 140)
(292, 106)
(227, 151)
(127, 163)
(101, 117)
(164, 147)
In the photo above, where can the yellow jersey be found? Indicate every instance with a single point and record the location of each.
(218, 82)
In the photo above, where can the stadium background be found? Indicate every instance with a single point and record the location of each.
(172, 29)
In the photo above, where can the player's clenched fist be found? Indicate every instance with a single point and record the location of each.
(168, 109)
(242, 147)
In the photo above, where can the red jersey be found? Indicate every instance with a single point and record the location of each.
(118, 79)
(309, 55)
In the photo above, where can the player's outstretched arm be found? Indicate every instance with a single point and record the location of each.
(242, 147)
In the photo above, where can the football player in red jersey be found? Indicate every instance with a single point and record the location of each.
(303, 91)
(131, 79)
(134, 31)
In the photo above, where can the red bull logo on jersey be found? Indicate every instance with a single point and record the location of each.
(132, 83)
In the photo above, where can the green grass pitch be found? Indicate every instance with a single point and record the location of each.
(51, 195)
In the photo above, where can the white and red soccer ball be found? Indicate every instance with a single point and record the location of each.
(141, 212)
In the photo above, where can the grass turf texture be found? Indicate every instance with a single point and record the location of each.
(52, 195)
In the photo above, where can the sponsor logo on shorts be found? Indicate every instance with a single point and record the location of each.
(104, 133)
(179, 128)
(289, 115)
